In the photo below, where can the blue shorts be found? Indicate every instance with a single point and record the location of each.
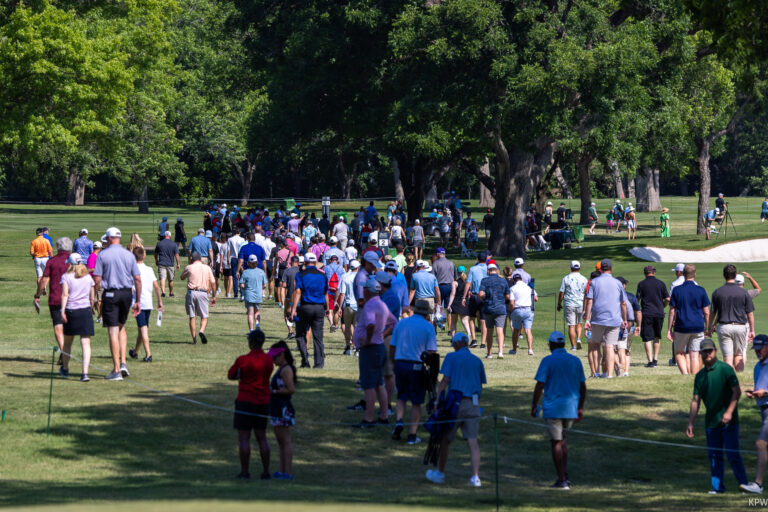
(409, 379)
(521, 318)
(255, 305)
(371, 360)
(143, 319)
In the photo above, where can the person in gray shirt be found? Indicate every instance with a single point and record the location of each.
(166, 251)
(117, 272)
(732, 308)
(445, 272)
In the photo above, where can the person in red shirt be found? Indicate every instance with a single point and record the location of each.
(253, 371)
(54, 269)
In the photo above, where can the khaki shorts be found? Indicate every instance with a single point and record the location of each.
(557, 427)
(605, 334)
(732, 338)
(468, 418)
(348, 316)
(624, 343)
(687, 341)
(196, 303)
(573, 315)
(166, 273)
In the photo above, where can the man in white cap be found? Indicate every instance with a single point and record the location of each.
(494, 292)
(83, 246)
(369, 267)
(572, 289)
(525, 276)
(253, 282)
(117, 272)
(348, 302)
(710, 217)
(333, 250)
(618, 214)
(424, 285)
(755, 291)
(350, 252)
(592, 218)
(201, 244)
(293, 224)
(375, 323)
(464, 374)
(629, 216)
(340, 231)
(309, 305)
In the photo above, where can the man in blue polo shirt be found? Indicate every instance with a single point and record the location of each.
(310, 305)
(424, 285)
(561, 378)
(464, 373)
(688, 317)
(606, 314)
(201, 244)
(247, 250)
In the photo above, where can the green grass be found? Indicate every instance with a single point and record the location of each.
(123, 445)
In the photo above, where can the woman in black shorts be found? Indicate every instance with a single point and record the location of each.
(459, 311)
(252, 370)
(77, 299)
(281, 411)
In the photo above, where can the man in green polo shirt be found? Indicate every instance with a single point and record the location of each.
(718, 386)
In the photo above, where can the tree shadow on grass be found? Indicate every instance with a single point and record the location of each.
(153, 447)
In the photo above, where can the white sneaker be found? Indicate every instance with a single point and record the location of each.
(625, 374)
(489, 356)
(435, 476)
(752, 487)
(530, 352)
(475, 481)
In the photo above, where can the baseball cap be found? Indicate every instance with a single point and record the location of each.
(294, 214)
(679, 267)
(301, 259)
(294, 259)
(557, 337)
(341, 219)
(421, 263)
(275, 351)
(493, 266)
(354, 264)
(760, 341)
(350, 242)
(223, 205)
(575, 264)
(113, 232)
(75, 259)
(165, 218)
(459, 337)
(622, 280)
(310, 257)
(333, 240)
(201, 230)
(440, 250)
(649, 269)
(707, 344)
(384, 278)
(739, 279)
(167, 233)
(606, 264)
(549, 203)
(84, 231)
(97, 245)
(597, 266)
(373, 258)
(461, 268)
(208, 233)
(372, 285)
(428, 268)
(392, 265)
(179, 219)
(253, 258)
(519, 261)
(373, 239)
(618, 201)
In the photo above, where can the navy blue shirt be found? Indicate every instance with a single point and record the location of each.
(252, 248)
(688, 299)
(496, 295)
(312, 284)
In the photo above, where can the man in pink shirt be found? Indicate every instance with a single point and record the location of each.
(376, 322)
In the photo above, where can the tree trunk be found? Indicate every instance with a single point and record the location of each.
(245, 181)
(618, 186)
(399, 193)
(413, 174)
(347, 178)
(486, 195)
(647, 183)
(76, 190)
(631, 188)
(583, 164)
(543, 192)
(705, 183)
(144, 200)
(518, 174)
(562, 183)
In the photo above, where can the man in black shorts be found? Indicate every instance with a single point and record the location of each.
(117, 272)
(653, 296)
(288, 281)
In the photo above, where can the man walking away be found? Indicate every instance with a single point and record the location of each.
(53, 269)
(310, 305)
(572, 290)
(732, 308)
(494, 292)
(560, 378)
(760, 394)
(348, 303)
(40, 250)
(716, 384)
(200, 282)
(688, 318)
(521, 300)
(653, 296)
(166, 251)
(463, 373)
(117, 272)
(607, 305)
(445, 273)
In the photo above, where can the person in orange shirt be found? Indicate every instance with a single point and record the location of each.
(40, 250)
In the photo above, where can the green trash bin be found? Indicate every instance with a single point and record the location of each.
(290, 204)
(343, 214)
(578, 233)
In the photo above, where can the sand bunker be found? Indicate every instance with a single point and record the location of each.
(735, 252)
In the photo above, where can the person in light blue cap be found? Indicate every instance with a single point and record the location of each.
(560, 378)
(760, 394)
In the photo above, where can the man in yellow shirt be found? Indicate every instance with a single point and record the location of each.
(40, 250)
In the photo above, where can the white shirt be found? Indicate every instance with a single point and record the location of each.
(267, 245)
(350, 252)
(224, 254)
(522, 294)
(258, 238)
(233, 245)
(677, 282)
(340, 231)
(147, 286)
(397, 232)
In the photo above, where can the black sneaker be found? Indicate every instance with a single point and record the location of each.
(64, 372)
(162, 294)
(347, 352)
(359, 406)
(672, 362)
(482, 345)
(171, 294)
(382, 421)
(649, 364)
(133, 354)
(265, 476)
(147, 359)
(414, 439)
(243, 476)
(561, 484)
(203, 339)
(365, 424)
(60, 361)
(305, 365)
(291, 335)
(655, 363)
(473, 344)
(84, 378)
(397, 431)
